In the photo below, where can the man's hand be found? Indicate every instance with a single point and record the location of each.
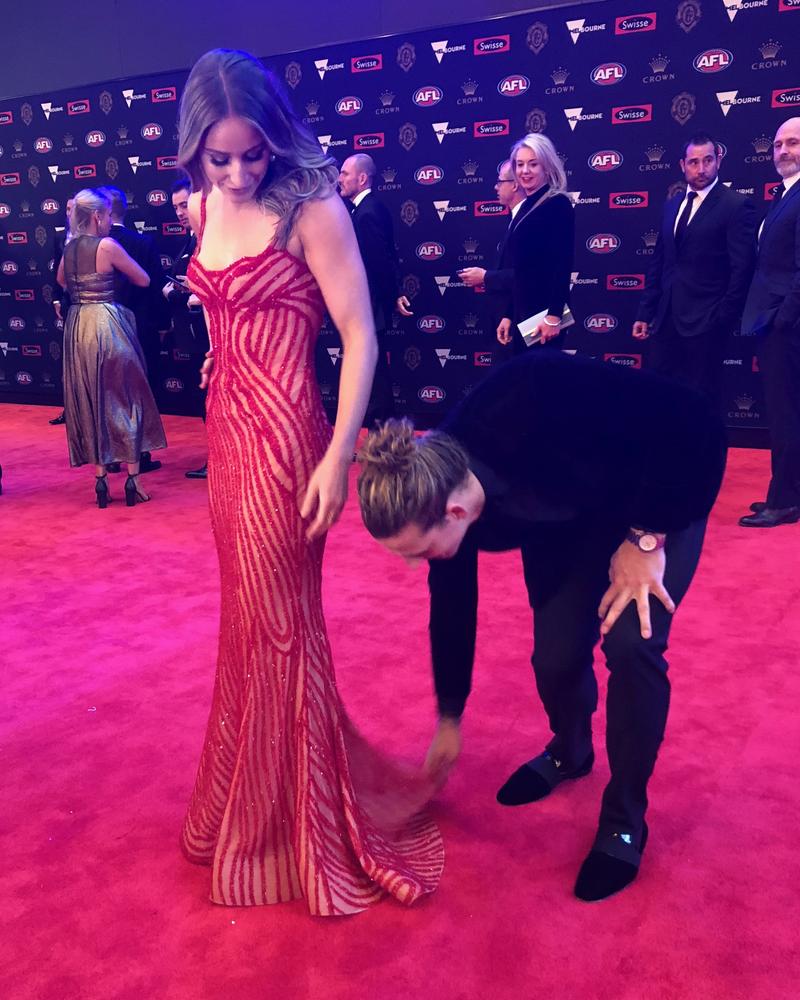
(634, 576)
(403, 306)
(57, 307)
(504, 331)
(640, 331)
(473, 276)
(443, 751)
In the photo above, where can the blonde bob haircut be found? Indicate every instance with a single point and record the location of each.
(228, 83)
(545, 152)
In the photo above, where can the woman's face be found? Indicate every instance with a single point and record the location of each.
(529, 172)
(235, 158)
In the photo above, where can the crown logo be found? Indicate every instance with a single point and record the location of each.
(744, 402)
(471, 321)
(763, 144)
(654, 153)
(31, 265)
(387, 97)
(122, 131)
(389, 175)
(470, 167)
(69, 139)
(650, 238)
(25, 206)
(770, 49)
(312, 108)
(559, 75)
(470, 245)
(469, 87)
(659, 63)
(18, 145)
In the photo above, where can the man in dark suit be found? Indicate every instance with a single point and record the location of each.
(700, 272)
(147, 304)
(604, 479)
(375, 234)
(772, 313)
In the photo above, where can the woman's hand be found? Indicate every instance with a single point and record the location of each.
(504, 331)
(444, 750)
(549, 327)
(206, 369)
(473, 277)
(634, 576)
(326, 494)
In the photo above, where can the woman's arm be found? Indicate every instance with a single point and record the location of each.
(119, 259)
(60, 278)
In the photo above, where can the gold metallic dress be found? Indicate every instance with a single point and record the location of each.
(110, 412)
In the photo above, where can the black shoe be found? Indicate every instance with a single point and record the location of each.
(201, 473)
(58, 420)
(758, 506)
(771, 517)
(133, 494)
(147, 464)
(537, 778)
(611, 865)
(101, 492)
(114, 467)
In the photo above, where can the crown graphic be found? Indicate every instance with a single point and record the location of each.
(469, 87)
(389, 174)
(659, 63)
(770, 49)
(471, 321)
(18, 145)
(25, 206)
(470, 245)
(312, 107)
(763, 144)
(386, 98)
(744, 402)
(559, 75)
(470, 167)
(650, 238)
(122, 131)
(68, 139)
(31, 265)
(654, 153)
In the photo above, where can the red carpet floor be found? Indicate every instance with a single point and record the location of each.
(109, 625)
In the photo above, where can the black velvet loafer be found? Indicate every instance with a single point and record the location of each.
(537, 778)
(611, 866)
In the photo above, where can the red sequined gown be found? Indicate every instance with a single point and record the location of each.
(274, 810)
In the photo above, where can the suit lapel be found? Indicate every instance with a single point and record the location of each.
(775, 210)
(671, 215)
(705, 206)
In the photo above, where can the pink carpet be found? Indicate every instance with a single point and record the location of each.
(108, 640)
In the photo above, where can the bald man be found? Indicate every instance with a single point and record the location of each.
(375, 234)
(772, 313)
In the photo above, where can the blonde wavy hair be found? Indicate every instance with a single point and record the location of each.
(545, 153)
(84, 204)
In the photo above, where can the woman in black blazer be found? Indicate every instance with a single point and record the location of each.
(541, 242)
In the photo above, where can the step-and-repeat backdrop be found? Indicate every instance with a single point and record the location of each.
(617, 87)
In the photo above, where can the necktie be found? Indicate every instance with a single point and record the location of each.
(780, 191)
(683, 222)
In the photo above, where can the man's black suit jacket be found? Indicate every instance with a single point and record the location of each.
(147, 304)
(773, 302)
(701, 285)
(375, 235)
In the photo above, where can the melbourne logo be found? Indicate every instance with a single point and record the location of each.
(426, 97)
(734, 6)
(491, 46)
(580, 27)
(608, 73)
(137, 163)
(789, 98)
(443, 208)
(576, 115)
(442, 129)
(631, 113)
(49, 109)
(326, 66)
(634, 23)
(603, 243)
(429, 174)
(151, 131)
(514, 85)
(347, 106)
(442, 49)
(730, 98)
(430, 250)
(605, 159)
(484, 130)
(713, 60)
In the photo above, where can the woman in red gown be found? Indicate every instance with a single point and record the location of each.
(288, 801)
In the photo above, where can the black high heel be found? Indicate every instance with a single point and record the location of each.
(101, 491)
(133, 494)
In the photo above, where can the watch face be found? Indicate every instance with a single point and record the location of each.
(647, 543)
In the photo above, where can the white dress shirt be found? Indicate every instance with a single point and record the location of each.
(697, 202)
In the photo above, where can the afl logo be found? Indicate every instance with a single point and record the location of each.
(16, 323)
(24, 378)
(426, 97)
(713, 60)
(430, 251)
(95, 138)
(5, 210)
(513, 86)
(9, 267)
(50, 206)
(431, 394)
(173, 385)
(600, 323)
(152, 131)
(166, 261)
(429, 174)
(156, 197)
(43, 144)
(603, 243)
(632, 113)
(430, 324)
(607, 73)
(605, 159)
(347, 106)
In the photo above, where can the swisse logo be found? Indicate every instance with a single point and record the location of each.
(426, 97)
(624, 282)
(347, 106)
(173, 384)
(491, 46)
(5, 210)
(429, 174)
(483, 130)
(6, 117)
(84, 170)
(608, 73)
(600, 323)
(366, 64)
(9, 180)
(172, 229)
(371, 140)
(50, 206)
(628, 113)
(788, 98)
(769, 190)
(15, 239)
(78, 107)
(713, 60)
(95, 138)
(151, 131)
(485, 209)
(43, 144)
(16, 323)
(431, 250)
(24, 378)
(514, 85)
(161, 94)
(24, 295)
(31, 350)
(166, 162)
(628, 199)
(156, 197)
(605, 159)
(431, 324)
(9, 267)
(482, 359)
(624, 360)
(431, 394)
(785, 5)
(603, 243)
(634, 23)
